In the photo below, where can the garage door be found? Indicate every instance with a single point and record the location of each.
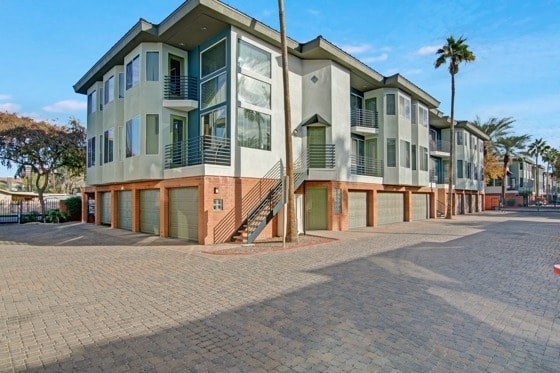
(149, 211)
(106, 208)
(420, 206)
(357, 209)
(125, 209)
(468, 203)
(460, 204)
(390, 208)
(183, 213)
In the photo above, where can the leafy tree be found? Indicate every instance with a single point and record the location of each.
(456, 51)
(44, 146)
(535, 149)
(549, 156)
(508, 148)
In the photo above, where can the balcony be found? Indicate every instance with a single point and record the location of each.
(180, 93)
(198, 150)
(365, 166)
(440, 148)
(439, 177)
(320, 156)
(364, 122)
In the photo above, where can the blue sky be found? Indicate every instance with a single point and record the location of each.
(48, 45)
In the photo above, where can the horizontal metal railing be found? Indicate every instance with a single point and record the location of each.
(440, 146)
(198, 150)
(320, 156)
(439, 177)
(364, 118)
(180, 88)
(365, 166)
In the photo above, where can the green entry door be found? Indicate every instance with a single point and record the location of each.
(316, 207)
(316, 139)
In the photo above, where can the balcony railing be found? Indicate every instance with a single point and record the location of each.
(198, 150)
(439, 177)
(320, 156)
(364, 118)
(180, 88)
(440, 146)
(366, 166)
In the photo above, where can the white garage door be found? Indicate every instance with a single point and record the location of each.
(390, 208)
(420, 206)
(149, 211)
(124, 200)
(183, 213)
(357, 209)
(106, 208)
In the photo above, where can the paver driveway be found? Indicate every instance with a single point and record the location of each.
(474, 294)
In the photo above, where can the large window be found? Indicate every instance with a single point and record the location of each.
(213, 59)
(459, 169)
(152, 66)
(91, 152)
(390, 104)
(108, 144)
(254, 92)
(423, 158)
(413, 156)
(253, 129)
(214, 123)
(404, 107)
(459, 138)
(214, 91)
(253, 59)
(92, 102)
(391, 153)
(152, 134)
(423, 116)
(133, 137)
(133, 72)
(109, 89)
(121, 85)
(405, 154)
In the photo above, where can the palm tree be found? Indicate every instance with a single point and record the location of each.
(549, 156)
(456, 52)
(495, 128)
(508, 148)
(536, 148)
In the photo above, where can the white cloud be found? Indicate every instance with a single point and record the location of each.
(381, 57)
(65, 106)
(5, 97)
(10, 107)
(427, 50)
(356, 49)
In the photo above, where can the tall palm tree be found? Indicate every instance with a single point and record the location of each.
(549, 156)
(508, 148)
(494, 128)
(535, 149)
(456, 51)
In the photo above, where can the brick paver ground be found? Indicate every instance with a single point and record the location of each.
(477, 293)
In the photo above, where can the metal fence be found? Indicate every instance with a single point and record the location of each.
(16, 211)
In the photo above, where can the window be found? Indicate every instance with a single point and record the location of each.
(108, 144)
(390, 104)
(152, 66)
(213, 91)
(469, 170)
(109, 89)
(423, 158)
(152, 134)
(91, 152)
(338, 201)
(218, 204)
(413, 156)
(405, 154)
(253, 59)
(133, 72)
(214, 123)
(121, 85)
(423, 116)
(355, 101)
(133, 137)
(213, 59)
(459, 138)
(92, 102)
(391, 153)
(253, 129)
(252, 91)
(101, 150)
(404, 107)
(459, 169)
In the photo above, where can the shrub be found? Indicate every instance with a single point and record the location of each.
(74, 208)
(56, 216)
(30, 217)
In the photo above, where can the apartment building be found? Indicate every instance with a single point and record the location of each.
(186, 133)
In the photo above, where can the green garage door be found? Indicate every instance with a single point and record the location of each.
(149, 211)
(420, 206)
(390, 208)
(357, 209)
(125, 209)
(106, 208)
(316, 208)
(183, 213)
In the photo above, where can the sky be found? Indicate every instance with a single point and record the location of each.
(47, 46)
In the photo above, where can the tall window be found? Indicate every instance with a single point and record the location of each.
(252, 91)
(413, 156)
(390, 103)
(405, 154)
(121, 85)
(391, 153)
(214, 91)
(133, 72)
(92, 102)
(459, 138)
(109, 89)
(214, 123)
(253, 129)
(108, 143)
(91, 152)
(213, 58)
(253, 59)
(152, 66)
(423, 158)
(133, 137)
(469, 170)
(404, 107)
(152, 134)
(459, 169)
(423, 116)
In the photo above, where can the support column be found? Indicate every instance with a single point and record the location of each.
(407, 205)
(433, 205)
(97, 208)
(135, 210)
(85, 212)
(164, 212)
(114, 209)
(374, 218)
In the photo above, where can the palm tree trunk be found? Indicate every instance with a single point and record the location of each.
(537, 176)
(291, 229)
(449, 213)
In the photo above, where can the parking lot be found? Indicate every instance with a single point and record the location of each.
(477, 293)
